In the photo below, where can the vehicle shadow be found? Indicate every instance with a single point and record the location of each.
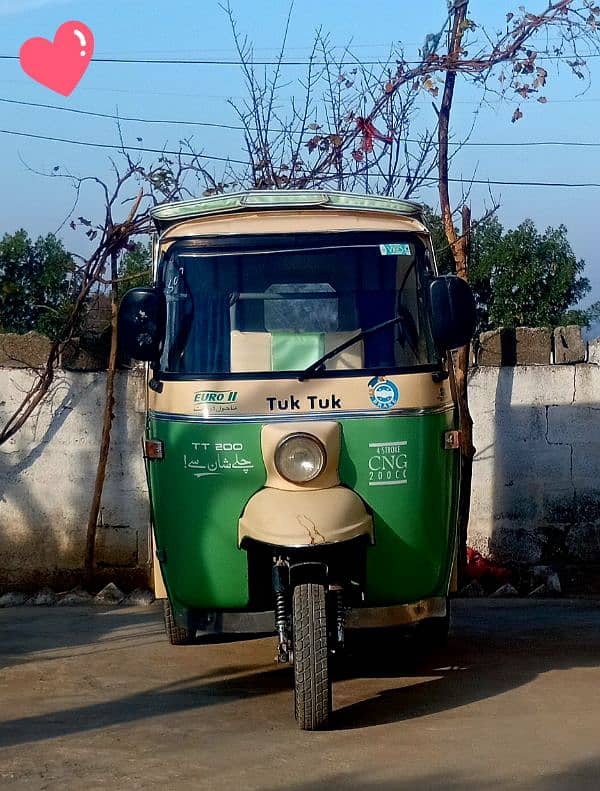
(495, 646)
(485, 656)
(187, 694)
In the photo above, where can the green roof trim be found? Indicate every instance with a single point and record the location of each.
(169, 213)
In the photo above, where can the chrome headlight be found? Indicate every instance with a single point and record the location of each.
(300, 458)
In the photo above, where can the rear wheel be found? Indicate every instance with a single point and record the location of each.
(312, 685)
(176, 634)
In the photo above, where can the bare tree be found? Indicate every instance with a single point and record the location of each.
(135, 188)
(357, 132)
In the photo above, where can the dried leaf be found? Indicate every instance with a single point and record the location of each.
(357, 155)
(85, 222)
(336, 140)
(73, 225)
(509, 16)
(542, 99)
(516, 115)
(429, 86)
(389, 87)
(313, 143)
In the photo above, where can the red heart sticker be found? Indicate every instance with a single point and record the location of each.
(59, 65)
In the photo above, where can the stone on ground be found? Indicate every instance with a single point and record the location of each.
(473, 590)
(505, 592)
(139, 598)
(12, 599)
(43, 598)
(110, 594)
(74, 598)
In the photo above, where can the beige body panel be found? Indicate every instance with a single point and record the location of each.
(289, 221)
(251, 351)
(298, 515)
(263, 397)
(327, 431)
(158, 583)
(301, 519)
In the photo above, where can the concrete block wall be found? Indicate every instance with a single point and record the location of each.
(536, 474)
(47, 474)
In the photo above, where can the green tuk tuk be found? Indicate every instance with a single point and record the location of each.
(301, 439)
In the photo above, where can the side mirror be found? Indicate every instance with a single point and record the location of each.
(453, 316)
(142, 321)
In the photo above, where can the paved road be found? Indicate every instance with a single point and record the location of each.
(96, 699)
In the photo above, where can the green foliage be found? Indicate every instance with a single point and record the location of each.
(37, 284)
(521, 277)
(135, 268)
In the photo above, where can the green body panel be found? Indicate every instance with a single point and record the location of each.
(398, 466)
(197, 500)
(415, 521)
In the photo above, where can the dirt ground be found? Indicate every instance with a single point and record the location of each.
(96, 699)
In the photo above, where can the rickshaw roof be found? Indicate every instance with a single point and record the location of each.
(168, 214)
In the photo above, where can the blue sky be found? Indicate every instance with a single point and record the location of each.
(188, 29)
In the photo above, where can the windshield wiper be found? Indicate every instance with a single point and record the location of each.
(319, 364)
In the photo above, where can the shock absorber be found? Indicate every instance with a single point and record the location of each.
(280, 575)
(340, 613)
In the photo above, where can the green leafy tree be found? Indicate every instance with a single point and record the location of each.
(521, 277)
(535, 278)
(135, 267)
(37, 284)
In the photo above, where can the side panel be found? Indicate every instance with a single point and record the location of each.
(198, 492)
(400, 469)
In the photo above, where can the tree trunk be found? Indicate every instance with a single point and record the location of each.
(467, 451)
(92, 524)
(460, 247)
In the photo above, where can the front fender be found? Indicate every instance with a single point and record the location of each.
(302, 519)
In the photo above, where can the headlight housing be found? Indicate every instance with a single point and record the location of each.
(300, 458)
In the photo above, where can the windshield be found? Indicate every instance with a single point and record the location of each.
(278, 304)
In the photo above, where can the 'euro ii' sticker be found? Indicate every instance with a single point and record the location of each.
(383, 393)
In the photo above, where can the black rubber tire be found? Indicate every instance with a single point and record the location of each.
(176, 634)
(312, 684)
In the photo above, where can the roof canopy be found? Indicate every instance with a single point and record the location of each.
(168, 214)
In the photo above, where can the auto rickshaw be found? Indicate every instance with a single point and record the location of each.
(301, 437)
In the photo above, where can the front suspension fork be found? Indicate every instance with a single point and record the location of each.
(280, 575)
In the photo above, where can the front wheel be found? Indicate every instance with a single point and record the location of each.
(312, 685)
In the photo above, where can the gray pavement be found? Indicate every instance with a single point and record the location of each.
(96, 699)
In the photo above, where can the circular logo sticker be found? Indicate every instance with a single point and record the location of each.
(383, 393)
